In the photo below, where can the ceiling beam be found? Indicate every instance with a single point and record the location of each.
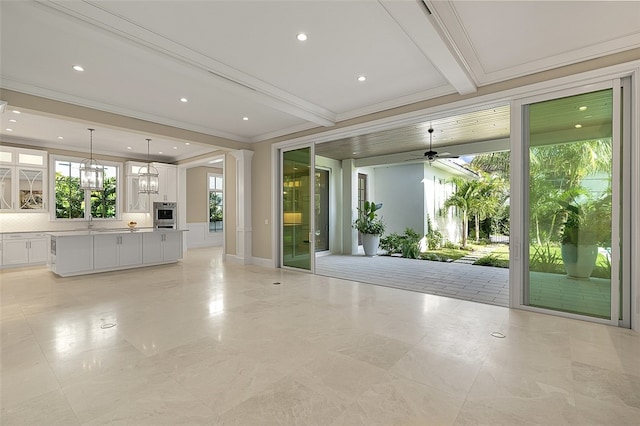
(416, 21)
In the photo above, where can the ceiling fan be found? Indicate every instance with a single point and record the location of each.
(432, 155)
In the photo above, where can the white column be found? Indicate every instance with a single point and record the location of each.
(243, 205)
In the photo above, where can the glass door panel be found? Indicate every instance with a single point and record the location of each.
(30, 185)
(6, 188)
(569, 204)
(296, 209)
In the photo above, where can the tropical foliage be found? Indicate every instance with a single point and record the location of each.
(70, 199)
(407, 244)
(368, 221)
(559, 201)
(434, 237)
(215, 207)
(480, 198)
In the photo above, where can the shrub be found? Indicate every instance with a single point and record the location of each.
(411, 244)
(492, 260)
(544, 259)
(407, 244)
(392, 243)
(451, 245)
(434, 237)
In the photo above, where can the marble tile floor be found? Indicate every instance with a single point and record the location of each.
(207, 342)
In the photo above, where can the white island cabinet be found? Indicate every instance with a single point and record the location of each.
(162, 246)
(113, 250)
(71, 254)
(88, 252)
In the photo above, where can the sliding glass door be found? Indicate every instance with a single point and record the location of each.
(571, 204)
(297, 215)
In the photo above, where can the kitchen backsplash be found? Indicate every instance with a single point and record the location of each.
(27, 222)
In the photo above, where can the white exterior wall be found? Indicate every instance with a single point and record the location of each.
(400, 190)
(437, 189)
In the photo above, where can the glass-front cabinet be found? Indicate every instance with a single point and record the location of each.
(23, 174)
(136, 202)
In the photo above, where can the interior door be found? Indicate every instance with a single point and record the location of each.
(297, 218)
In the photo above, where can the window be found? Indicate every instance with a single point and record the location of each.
(216, 202)
(71, 201)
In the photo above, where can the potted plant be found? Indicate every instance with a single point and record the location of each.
(370, 226)
(583, 228)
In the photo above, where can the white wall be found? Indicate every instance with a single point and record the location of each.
(400, 190)
(437, 189)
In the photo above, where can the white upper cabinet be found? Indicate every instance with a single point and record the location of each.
(167, 186)
(23, 179)
(167, 183)
(136, 202)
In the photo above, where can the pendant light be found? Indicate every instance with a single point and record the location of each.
(91, 172)
(148, 177)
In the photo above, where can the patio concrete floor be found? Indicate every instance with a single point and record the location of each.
(461, 281)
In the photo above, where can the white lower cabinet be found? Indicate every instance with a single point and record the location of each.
(161, 246)
(71, 255)
(24, 249)
(92, 252)
(114, 250)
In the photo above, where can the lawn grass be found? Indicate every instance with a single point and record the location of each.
(449, 253)
(500, 258)
(444, 253)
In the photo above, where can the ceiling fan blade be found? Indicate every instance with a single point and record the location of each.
(448, 156)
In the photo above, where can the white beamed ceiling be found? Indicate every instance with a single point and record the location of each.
(235, 59)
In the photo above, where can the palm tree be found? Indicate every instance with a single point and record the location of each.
(488, 197)
(556, 174)
(463, 198)
(493, 163)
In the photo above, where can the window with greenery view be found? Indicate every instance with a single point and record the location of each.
(216, 203)
(71, 201)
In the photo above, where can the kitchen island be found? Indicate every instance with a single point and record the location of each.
(92, 251)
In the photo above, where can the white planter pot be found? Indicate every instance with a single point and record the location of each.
(580, 260)
(370, 244)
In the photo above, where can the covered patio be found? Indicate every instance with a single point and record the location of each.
(458, 280)
(474, 283)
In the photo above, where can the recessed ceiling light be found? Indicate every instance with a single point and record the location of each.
(184, 100)
(160, 152)
(578, 126)
(78, 68)
(187, 143)
(9, 130)
(353, 153)
(301, 37)
(128, 147)
(15, 111)
(13, 120)
(583, 108)
(175, 147)
(60, 137)
(245, 118)
(361, 78)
